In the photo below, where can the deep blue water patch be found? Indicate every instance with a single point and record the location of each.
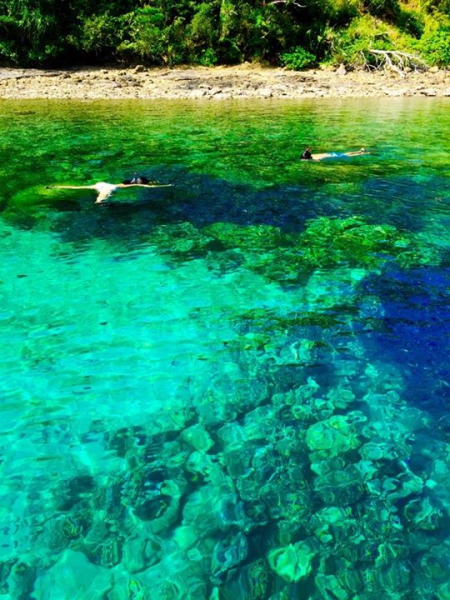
(414, 319)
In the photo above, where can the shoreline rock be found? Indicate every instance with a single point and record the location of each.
(217, 83)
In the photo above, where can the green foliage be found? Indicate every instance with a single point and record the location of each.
(298, 59)
(209, 32)
(382, 8)
(145, 34)
(208, 58)
(203, 25)
(202, 35)
(349, 45)
(341, 12)
(411, 22)
(435, 46)
(97, 33)
(8, 31)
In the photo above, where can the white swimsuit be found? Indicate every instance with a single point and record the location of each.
(105, 189)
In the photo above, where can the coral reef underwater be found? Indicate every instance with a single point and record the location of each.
(305, 474)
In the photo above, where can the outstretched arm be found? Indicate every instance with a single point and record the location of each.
(146, 185)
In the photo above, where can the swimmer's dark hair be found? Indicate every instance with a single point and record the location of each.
(136, 179)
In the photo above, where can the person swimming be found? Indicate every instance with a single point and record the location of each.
(307, 155)
(105, 190)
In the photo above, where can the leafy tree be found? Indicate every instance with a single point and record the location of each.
(289, 32)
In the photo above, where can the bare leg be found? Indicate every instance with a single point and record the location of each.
(103, 196)
(320, 156)
(357, 152)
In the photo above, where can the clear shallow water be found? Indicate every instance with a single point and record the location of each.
(236, 387)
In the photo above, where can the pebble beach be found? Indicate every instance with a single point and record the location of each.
(218, 83)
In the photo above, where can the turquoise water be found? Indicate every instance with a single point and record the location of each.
(238, 387)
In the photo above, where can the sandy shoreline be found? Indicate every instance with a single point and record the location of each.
(218, 83)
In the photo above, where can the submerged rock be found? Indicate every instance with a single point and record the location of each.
(332, 437)
(292, 562)
(140, 552)
(228, 553)
(254, 238)
(253, 581)
(197, 437)
(74, 577)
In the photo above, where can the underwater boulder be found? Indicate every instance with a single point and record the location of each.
(329, 241)
(140, 552)
(253, 238)
(202, 467)
(213, 508)
(197, 437)
(161, 511)
(341, 486)
(17, 578)
(422, 513)
(395, 577)
(262, 422)
(328, 289)
(443, 591)
(232, 435)
(349, 576)
(238, 461)
(330, 588)
(74, 577)
(227, 553)
(331, 437)
(129, 588)
(286, 502)
(185, 537)
(341, 397)
(292, 562)
(253, 581)
(335, 524)
(182, 240)
(377, 450)
(434, 565)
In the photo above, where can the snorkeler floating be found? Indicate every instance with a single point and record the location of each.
(308, 156)
(105, 190)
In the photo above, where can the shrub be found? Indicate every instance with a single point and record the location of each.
(435, 46)
(364, 33)
(298, 59)
(208, 58)
(97, 33)
(382, 8)
(146, 38)
(411, 21)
